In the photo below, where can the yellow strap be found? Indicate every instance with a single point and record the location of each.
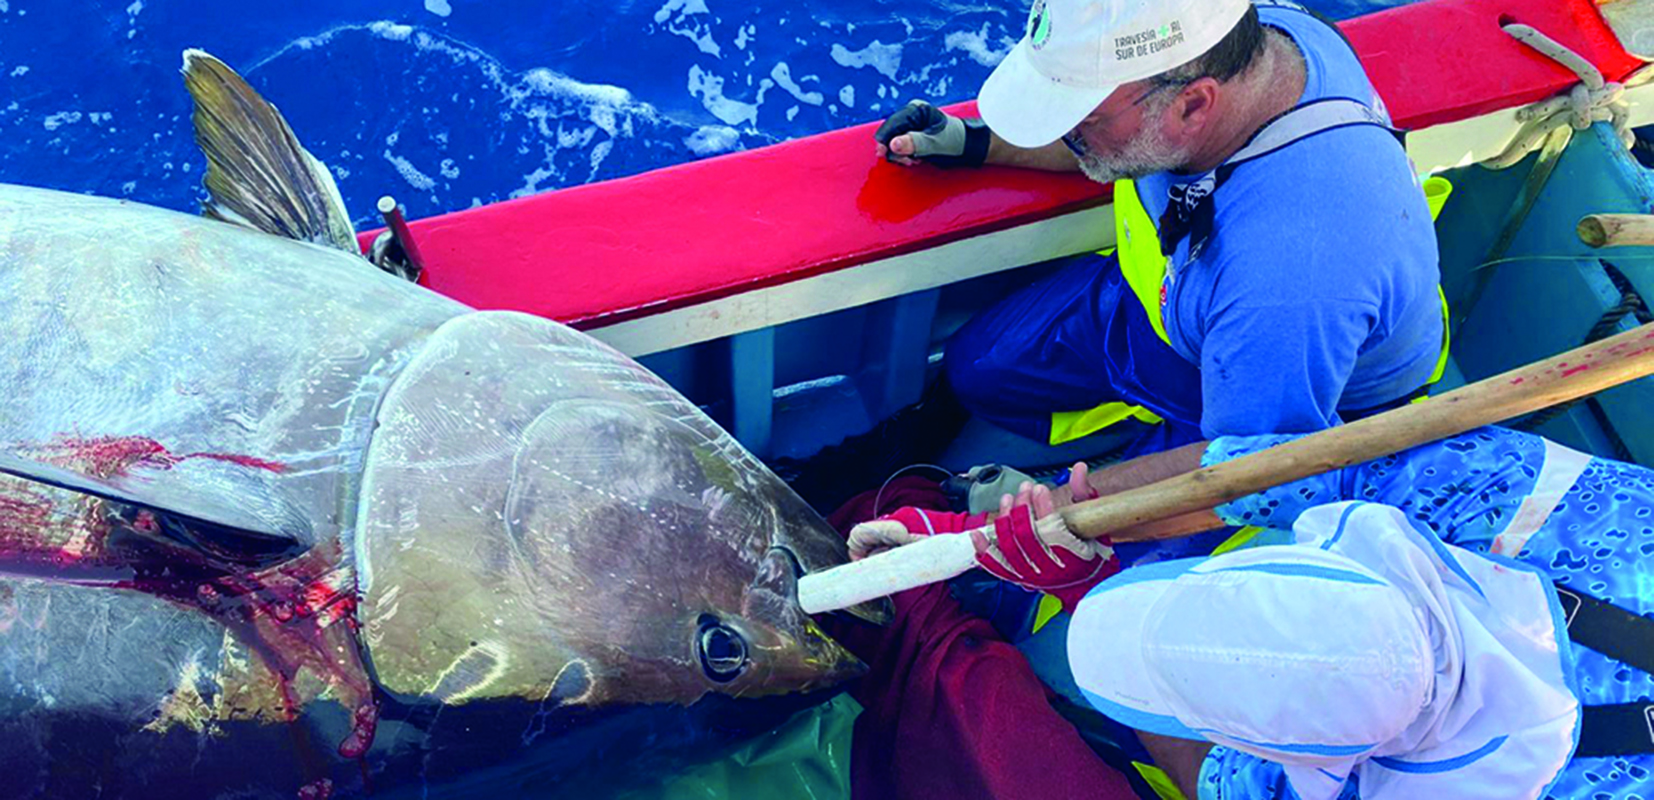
(1238, 539)
(1447, 340)
(1141, 263)
(1436, 191)
(1066, 426)
(1144, 268)
(1159, 781)
(1049, 608)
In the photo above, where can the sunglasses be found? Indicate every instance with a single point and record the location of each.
(1076, 144)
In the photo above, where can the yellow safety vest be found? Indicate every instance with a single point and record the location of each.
(1144, 268)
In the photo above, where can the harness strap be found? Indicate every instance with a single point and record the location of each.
(1190, 212)
(1626, 729)
(1608, 629)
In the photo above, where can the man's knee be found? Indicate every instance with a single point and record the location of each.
(967, 368)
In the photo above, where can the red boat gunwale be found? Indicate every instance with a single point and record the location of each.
(596, 255)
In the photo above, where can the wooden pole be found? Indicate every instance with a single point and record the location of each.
(1577, 373)
(1617, 230)
(1138, 512)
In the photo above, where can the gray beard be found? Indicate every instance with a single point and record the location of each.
(1143, 156)
(1138, 159)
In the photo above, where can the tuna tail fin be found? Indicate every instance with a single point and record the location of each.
(258, 175)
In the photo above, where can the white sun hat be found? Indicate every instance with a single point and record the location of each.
(1369, 648)
(1077, 52)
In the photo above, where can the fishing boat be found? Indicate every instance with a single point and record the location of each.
(802, 292)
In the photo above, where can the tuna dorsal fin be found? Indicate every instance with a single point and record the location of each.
(257, 172)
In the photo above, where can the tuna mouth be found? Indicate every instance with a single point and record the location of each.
(877, 612)
(814, 659)
(791, 560)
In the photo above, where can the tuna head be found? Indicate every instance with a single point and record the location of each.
(543, 519)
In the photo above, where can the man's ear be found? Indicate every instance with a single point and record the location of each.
(1192, 113)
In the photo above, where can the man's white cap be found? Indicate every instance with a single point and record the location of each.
(1077, 52)
(1368, 648)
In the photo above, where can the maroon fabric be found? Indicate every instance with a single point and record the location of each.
(952, 709)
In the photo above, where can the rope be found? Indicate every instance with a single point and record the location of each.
(878, 498)
(1593, 99)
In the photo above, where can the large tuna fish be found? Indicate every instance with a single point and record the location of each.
(277, 524)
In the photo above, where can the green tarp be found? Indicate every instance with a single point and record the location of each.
(808, 757)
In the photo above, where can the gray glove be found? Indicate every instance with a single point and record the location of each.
(938, 138)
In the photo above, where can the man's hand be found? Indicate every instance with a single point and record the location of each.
(920, 131)
(906, 526)
(1078, 489)
(1042, 554)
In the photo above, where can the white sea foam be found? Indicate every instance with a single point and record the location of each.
(710, 89)
(682, 8)
(976, 46)
(711, 139)
(410, 173)
(783, 77)
(847, 96)
(60, 119)
(878, 56)
(697, 31)
(439, 7)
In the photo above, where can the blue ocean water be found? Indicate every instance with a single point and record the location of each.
(448, 104)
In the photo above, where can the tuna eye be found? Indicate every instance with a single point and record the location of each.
(723, 651)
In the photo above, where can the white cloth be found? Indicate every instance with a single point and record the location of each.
(1369, 647)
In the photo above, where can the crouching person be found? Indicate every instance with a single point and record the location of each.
(1475, 624)
(1367, 659)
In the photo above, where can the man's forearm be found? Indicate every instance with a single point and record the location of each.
(1144, 470)
(1054, 157)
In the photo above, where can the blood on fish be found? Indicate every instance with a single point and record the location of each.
(319, 790)
(286, 612)
(146, 523)
(110, 456)
(245, 461)
(361, 733)
(273, 610)
(22, 514)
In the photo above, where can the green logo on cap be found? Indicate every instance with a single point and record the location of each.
(1039, 24)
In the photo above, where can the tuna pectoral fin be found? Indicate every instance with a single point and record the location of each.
(222, 533)
(257, 172)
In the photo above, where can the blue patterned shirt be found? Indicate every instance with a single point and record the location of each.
(1599, 540)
